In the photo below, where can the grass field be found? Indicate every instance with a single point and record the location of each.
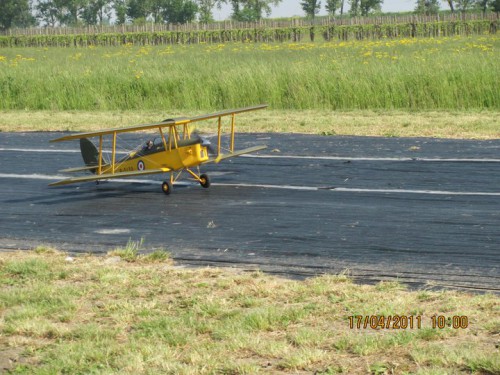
(133, 314)
(459, 73)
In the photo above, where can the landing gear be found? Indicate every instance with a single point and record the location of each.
(166, 187)
(204, 181)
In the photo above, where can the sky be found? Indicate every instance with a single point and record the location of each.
(290, 8)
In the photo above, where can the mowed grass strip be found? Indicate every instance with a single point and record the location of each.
(129, 313)
(442, 124)
(458, 73)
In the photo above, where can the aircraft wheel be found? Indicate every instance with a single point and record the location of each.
(166, 187)
(205, 181)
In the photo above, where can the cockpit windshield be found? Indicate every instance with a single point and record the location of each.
(157, 142)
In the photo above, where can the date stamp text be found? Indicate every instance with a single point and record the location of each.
(407, 322)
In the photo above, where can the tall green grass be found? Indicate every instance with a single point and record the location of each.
(415, 74)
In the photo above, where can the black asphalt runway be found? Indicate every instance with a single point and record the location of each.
(422, 211)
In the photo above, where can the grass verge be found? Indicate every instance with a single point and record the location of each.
(457, 73)
(442, 124)
(90, 314)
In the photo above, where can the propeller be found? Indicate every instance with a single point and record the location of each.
(204, 142)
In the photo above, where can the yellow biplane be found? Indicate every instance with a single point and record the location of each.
(174, 151)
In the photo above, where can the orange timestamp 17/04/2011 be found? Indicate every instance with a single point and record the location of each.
(406, 321)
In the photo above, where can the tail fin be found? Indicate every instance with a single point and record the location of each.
(90, 154)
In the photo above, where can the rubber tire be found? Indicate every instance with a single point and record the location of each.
(205, 181)
(166, 187)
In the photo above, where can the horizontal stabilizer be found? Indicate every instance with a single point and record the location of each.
(107, 176)
(234, 154)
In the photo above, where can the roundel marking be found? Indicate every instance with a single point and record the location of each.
(140, 165)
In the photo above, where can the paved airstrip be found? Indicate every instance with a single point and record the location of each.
(422, 211)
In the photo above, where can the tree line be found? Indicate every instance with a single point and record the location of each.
(365, 7)
(26, 13)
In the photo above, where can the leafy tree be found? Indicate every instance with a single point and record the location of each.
(65, 12)
(15, 13)
(251, 10)
(156, 9)
(138, 9)
(427, 7)
(355, 9)
(368, 6)
(495, 6)
(141, 10)
(311, 7)
(333, 5)
(205, 9)
(235, 4)
(48, 13)
(120, 7)
(179, 11)
(247, 14)
(484, 5)
(364, 7)
(172, 11)
(70, 10)
(96, 11)
(464, 5)
(451, 5)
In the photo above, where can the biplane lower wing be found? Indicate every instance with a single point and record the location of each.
(234, 154)
(107, 176)
(83, 169)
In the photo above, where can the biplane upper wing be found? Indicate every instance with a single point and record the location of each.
(172, 122)
(166, 123)
(107, 176)
(227, 113)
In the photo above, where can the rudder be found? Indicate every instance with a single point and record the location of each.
(90, 154)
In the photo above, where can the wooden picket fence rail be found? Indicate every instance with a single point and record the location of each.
(264, 31)
(269, 24)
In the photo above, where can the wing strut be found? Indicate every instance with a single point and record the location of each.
(163, 138)
(113, 154)
(233, 116)
(99, 170)
(219, 135)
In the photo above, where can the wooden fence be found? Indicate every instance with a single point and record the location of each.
(327, 30)
(263, 24)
